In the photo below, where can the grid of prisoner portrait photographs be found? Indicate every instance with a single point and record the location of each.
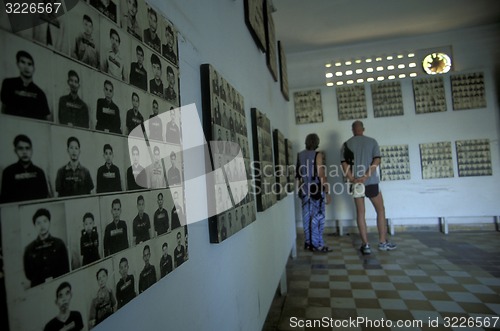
(88, 213)
(225, 127)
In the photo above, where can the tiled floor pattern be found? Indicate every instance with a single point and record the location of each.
(430, 276)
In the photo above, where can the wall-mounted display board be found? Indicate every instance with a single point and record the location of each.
(280, 165)
(230, 190)
(91, 212)
(271, 46)
(387, 99)
(290, 164)
(351, 102)
(283, 72)
(436, 160)
(254, 19)
(395, 163)
(429, 95)
(474, 157)
(468, 91)
(308, 106)
(263, 160)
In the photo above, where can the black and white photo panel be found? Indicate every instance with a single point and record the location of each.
(132, 17)
(159, 211)
(137, 208)
(136, 103)
(169, 47)
(110, 154)
(83, 220)
(164, 247)
(71, 106)
(116, 223)
(126, 273)
(180, 253)
(158, 76)
(140, 65)
(108, 9)
(146, 256)
(100, 280)
(28, 61)
(155, 122)
(139, 158)
(178, 211)
(152, 36)
(83, 25)
(174, 165)
(173, 131)
(25, 163)
(155, 170)
(172, 85)
(48, 30)
(74, 161)
(48, 301)
(115, 50)
(108, 104)
(44, 243)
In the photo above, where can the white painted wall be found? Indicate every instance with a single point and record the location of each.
(413, 200)
(228, 286)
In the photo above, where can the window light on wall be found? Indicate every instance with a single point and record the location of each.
(389, 66)
(370, 69)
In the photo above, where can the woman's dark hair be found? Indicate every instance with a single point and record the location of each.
(312, 141)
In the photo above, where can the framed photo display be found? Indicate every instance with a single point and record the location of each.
(308, 106)
(436, 160)
(114, 198)
(271, 46)
(474, 158)
(230, 193)
(263, 155)
(290, 166)
(468, 91)
(351, 102)
(254, 19)
(283, 72)
(280, 165)
(387, 99)
(429, 95)
(395, 163)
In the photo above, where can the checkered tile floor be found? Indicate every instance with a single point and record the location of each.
(430, 275)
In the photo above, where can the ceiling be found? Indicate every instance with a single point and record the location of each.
(308, 25)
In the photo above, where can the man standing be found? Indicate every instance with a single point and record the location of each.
(141, 226)
(125, 288)
(360, 157)
(161, 221)
(68, 320)
(138, 74)
(134, 116)
(73, 178)
(23, 180)
(150, 36)
(148, 275)
(20, 95)
(72, 110)
(107, 112)
(113, 64)
(46, 257)
(108, 175)
(136, 177)
(115, 234)
(85, 48)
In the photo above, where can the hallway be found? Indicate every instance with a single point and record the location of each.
(444, 278)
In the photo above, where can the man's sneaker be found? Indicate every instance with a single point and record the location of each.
(387, 246)
(365, 249)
